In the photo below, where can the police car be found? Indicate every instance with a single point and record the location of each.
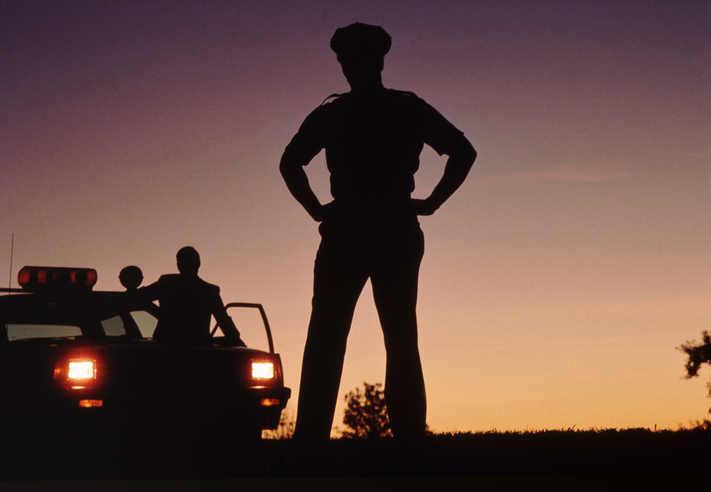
(75, 360)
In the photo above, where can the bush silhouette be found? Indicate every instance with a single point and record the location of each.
(366, 414)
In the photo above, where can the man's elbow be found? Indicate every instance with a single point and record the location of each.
(286, 166)
(468, 153)
(463, 155)
(290, 165)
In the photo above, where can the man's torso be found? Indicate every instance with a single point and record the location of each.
(373, 143)
(186, 306)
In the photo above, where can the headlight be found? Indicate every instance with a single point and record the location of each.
(81, 370)
(263, 370)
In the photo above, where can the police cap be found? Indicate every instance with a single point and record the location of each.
(361, 41)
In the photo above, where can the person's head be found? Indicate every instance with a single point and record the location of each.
(188, 261)
(361, 49)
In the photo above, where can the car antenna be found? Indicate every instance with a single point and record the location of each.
(12, 247)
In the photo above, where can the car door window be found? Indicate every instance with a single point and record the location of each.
(113, 327)
(146, 322)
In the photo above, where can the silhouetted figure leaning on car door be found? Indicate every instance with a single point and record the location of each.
(186, 305)
(373, 137)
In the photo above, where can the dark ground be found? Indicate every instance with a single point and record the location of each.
(554, 457)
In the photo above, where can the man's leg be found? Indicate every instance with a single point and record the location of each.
(394, 283)
(338, 281)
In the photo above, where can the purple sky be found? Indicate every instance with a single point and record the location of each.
(556, 283)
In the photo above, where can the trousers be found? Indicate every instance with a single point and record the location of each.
(388, 253)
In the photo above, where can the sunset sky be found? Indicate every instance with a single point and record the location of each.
(556, 283)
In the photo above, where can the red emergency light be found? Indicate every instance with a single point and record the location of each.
(36, 278)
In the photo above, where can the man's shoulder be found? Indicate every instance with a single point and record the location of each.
(348, 96)
(406, 95)
(332, 105)
(212, 288)
(169, 278)
(337, 98)
(324, 111)
(337, 103)
(174, 278)
(408, 98)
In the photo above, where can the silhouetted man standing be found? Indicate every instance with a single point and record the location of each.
(373, 137)
(187, 303)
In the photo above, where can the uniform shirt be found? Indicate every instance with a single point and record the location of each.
(373, 143)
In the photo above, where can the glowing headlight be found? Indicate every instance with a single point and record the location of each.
(262, 370)
(81, 369)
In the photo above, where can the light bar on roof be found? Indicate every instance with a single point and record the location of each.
(33, 278)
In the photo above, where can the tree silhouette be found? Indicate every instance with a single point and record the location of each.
(698, 355)
(366, 414)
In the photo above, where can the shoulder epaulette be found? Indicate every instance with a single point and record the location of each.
(332, 96)
(405, 93)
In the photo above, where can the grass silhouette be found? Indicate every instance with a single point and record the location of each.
(464, 454)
